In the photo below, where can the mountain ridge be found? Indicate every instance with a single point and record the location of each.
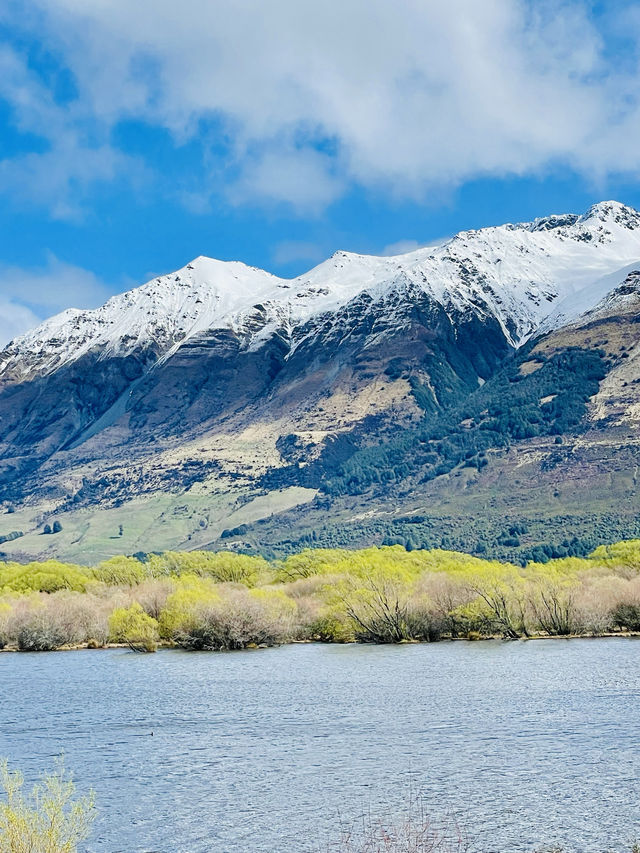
(164, 310)
(226, 390)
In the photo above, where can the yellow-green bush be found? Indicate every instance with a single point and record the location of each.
(239, 619)
(222, 566)
(133, 626)
(51, 818)
(332, 626)
(311, 561)
(121, 571)
(179, 612)
(48, 576)
(622, 556)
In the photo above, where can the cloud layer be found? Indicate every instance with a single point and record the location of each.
(27, 296)
(295, 102)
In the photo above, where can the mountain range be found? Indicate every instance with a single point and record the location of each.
(482, 393)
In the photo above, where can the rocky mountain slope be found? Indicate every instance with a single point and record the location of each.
(188, 411)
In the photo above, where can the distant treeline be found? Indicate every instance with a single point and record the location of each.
(207, 600)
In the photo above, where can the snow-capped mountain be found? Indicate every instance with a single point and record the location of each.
(225, 386)
(522, 275)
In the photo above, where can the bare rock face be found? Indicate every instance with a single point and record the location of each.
(45, 414)
(225, 382)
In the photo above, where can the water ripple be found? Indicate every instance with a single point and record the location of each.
(526, 744)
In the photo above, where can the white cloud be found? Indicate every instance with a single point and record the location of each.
(14, 320)
(27, 296)
(60, 178)
(402, 247)
(76, 153)
(302, 179)
(296, 251)
(408, 99)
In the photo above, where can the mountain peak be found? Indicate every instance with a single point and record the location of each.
(609, 212)
(612, 211)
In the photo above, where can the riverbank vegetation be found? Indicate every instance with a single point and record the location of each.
(211, 601)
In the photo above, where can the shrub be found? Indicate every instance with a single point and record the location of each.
(222, 566)
(131, 625)
(551, 596)
(5, 615)
(332, 627)
(191, 593)
(596, 599)
(49, 819)
(379, 595)
(241, 619)
(424, 623)
(311, 562)
(152, 595)
(40, 622)
(447, 594)
(377, 606)
(35, 627)
(414, 832)
(500, 605)
(79, 617)
(48, 576)
(120, 571)
(624, 557)
(39, 634)
(627, 615)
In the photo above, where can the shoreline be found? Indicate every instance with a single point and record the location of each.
(252, 648)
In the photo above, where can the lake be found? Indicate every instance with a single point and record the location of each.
(526, 744)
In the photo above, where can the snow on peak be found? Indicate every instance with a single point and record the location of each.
(612, 211)
(160, 313)
(542, 272)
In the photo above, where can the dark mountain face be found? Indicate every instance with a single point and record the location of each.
(46, 414)
(459, 440)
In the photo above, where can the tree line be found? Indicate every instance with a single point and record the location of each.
(223, 600)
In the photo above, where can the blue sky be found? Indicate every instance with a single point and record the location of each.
(135, 136)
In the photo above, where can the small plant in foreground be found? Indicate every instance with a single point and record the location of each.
(48, 819)
(412, 832)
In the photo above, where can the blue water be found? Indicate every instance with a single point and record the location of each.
(524, 744)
